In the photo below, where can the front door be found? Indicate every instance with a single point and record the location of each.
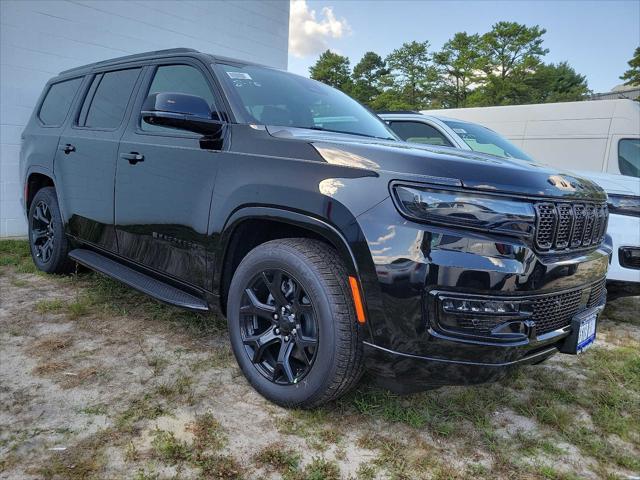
(85, 164)
(164, 183)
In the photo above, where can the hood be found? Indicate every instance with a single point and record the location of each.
(614, 184)
(444, 165)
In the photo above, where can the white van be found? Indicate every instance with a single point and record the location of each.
(598, 136)
(623, 231)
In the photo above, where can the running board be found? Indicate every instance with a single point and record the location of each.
(144, 283)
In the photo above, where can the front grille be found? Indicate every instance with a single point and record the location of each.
(564, 226)
(552, 312)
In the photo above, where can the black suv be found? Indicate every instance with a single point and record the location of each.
(331, 246)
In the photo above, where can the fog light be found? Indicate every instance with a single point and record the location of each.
(458, 305)
(482, 317)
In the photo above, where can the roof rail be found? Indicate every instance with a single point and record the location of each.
(128, 58)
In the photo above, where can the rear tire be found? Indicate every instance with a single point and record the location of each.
(290, 301)
(47, 241)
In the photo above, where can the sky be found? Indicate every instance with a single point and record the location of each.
(597, 38)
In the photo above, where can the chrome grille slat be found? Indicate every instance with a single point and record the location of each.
(564, 226)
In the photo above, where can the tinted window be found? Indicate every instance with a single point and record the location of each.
(418, 132)
(629, 157)
(481, 139)
(179, 79)
(109, 102)
(56, 103)
(273, 97)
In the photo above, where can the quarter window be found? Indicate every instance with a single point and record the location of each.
(178, 79)
(418, 132)
(629, 157)
(106, 102)
(56, 103)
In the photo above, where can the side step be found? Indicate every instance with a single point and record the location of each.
(144, 283)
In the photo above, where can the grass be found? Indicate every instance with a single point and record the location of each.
(16, 253)
(50, 305)
(278, 457)
(203, 453)
(208, 433)
(169, 449)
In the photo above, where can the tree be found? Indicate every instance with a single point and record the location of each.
(557, 83)
(458, 62)
(511, 52)
(413, 74)
(511, 48)
(368, 77)
(632, 76)
(332, 69)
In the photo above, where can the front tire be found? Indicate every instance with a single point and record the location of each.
(47, 241)
(292, 323)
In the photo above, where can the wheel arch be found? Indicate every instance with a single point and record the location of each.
(269, 223)
(36, 179)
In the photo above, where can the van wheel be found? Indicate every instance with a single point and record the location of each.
(48, 244)
(292, 323)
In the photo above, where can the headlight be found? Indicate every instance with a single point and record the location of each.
(467, 210)
(624, 205)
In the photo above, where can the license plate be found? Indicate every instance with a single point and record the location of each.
(587, 332)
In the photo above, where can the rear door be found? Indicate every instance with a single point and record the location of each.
(86, 158)
(162, 200)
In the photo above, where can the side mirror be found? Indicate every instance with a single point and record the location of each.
(181, 111)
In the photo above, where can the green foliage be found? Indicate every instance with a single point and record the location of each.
(458, 62)
(332, 69)
(632, 76)
(414, 76)
(368, 77)
(501, 67)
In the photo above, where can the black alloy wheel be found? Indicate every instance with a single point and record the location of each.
(279, 328)
(292, 323)
(47, 240)
(42, 232)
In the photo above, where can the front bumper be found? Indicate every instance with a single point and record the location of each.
(413, 263)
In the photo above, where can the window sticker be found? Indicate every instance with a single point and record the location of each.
(460, 130)
(239, 75)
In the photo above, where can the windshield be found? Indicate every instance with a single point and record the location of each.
(273, 97)
(481, 139)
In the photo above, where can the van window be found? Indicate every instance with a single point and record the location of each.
(629, 157)
(56, 103)
(107, 105)
(179, 79)
(418, 132)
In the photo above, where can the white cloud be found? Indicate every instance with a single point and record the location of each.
(309, 35)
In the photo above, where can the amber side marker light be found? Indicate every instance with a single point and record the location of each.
(357, 300)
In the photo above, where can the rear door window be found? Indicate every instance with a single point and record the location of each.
(57, 102)
(107, 100)
(418, 132)
(629, 157)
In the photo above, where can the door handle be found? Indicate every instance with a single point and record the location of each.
(67, 149)
(133, 157)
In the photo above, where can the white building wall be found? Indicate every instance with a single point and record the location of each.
(38, 39)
